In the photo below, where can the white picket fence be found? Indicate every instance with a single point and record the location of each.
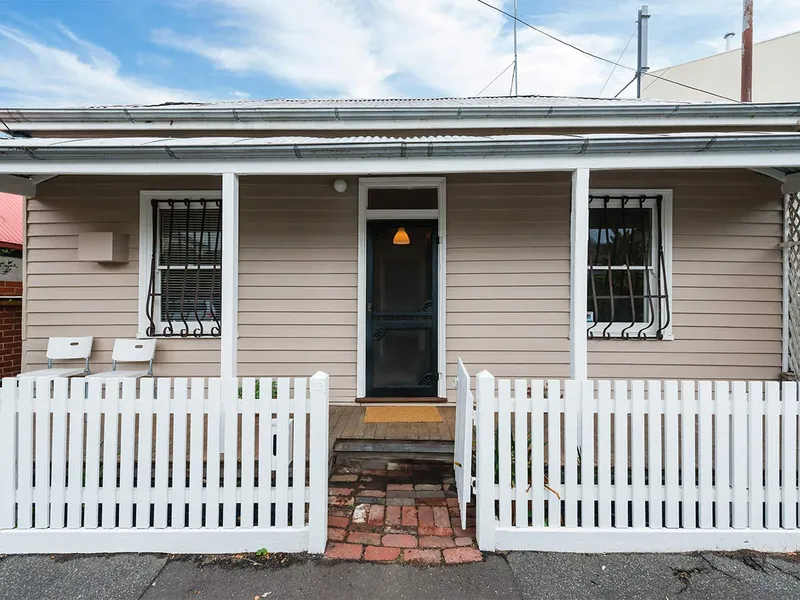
(647, 466)
(175, 465)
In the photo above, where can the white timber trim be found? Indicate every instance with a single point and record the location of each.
(230, 276)
(11, 184)
(785, 250)
(146, 240)
(579, 258)
(666, 231)
(404, 166)
(364, 215)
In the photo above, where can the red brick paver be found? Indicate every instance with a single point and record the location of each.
(403, 513)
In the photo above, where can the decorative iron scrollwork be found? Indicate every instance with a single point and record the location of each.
(426, 379)
(378, 334)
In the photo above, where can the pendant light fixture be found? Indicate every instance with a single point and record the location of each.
(401, 237)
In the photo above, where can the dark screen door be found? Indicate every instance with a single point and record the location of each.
(401, 309)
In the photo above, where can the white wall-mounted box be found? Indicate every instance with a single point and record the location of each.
(103, 247)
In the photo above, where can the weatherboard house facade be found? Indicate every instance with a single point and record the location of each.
(379, 241)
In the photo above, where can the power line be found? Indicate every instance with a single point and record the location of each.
(602, 58)
(627, 85)
(619, 60)
(495, 79)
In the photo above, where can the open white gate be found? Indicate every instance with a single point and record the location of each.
(462, 455)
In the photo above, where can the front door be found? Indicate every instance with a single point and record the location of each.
(401, 309)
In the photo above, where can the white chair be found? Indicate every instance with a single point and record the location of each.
(130, 351)
(64, 348)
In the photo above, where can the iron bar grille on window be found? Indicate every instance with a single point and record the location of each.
(628, 295)
(184, 294)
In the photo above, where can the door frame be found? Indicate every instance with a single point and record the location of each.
(364, 215)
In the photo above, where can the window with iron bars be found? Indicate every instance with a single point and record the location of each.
(184, 293)
(628, 275)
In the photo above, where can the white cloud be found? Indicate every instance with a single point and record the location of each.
(75, 73)
(392, 48)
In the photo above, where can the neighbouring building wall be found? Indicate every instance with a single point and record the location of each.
(727, 280)
(774, 79)
(10, 328)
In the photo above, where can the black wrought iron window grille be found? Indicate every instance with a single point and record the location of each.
(185, 288)
(628, 290)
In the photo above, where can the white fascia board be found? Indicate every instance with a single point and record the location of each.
(412, 124)
(405, 166)
(20, 186)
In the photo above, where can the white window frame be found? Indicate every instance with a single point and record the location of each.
(666, 224)
(146, 241)
(364, 185)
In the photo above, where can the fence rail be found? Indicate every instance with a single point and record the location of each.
(173, 466)
(636, 466)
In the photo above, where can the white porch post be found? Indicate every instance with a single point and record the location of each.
(230, 275)
(579, 257)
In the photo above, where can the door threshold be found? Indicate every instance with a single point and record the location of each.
(401, 400)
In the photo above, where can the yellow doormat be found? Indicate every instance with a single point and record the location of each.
(402, 414)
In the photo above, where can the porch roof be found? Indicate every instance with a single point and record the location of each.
(779, 151)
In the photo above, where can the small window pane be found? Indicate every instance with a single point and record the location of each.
(617, 233)
(192, 295)
(628, 296)
(394, 199)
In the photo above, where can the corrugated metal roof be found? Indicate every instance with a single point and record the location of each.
(388, 103)
(11, 208)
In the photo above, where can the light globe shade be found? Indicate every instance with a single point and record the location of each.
(340, 185)
(401, 237)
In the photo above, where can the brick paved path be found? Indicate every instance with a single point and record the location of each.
(398, 512)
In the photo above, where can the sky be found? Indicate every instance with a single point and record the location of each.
(95, 52)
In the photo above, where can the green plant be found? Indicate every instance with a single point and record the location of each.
(262, 552)
(258, 389)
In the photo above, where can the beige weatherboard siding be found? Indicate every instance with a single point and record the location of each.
(507, 276)
(727, 280)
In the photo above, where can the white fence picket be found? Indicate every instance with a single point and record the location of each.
(621, 464)
(654, 468)
(8, 450)
(504, 450)
(59, 454)
(179, 409)
(671, 456)
(144, 467)
(604, 489)
(705, 454)
(538, 489)
(41, 486)
(77, 419)
(722, 447)
(161, 482)
(196, 458)
(213, 453)
(91, 492)
(555, 410)
(772, 436)
(789, 459)
(265, 455)
(739, 468)
(572, 401)
(230, 410)
(639, 490)
(521, 486)
(127, 458)
(688, 454)
(588, 407)
(299, 411)
(248, 451)
(756, 454)
(108, 492)
(282, 458)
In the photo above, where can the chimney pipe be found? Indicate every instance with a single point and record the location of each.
(747, 51)
(729, 41)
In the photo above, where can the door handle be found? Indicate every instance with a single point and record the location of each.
(369, 307)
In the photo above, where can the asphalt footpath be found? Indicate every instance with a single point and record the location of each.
(512, 575)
